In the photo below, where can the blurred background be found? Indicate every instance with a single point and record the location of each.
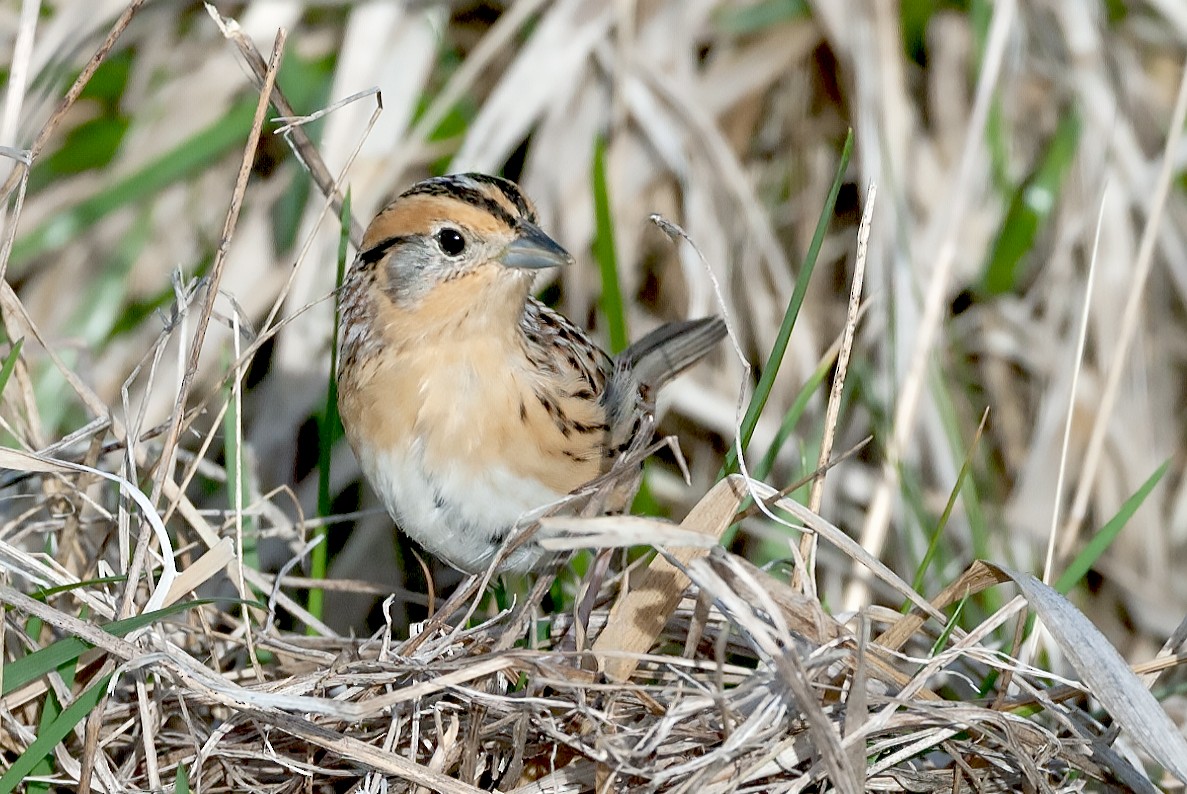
(1002, 138)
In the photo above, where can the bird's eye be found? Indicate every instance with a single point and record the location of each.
(450, 241)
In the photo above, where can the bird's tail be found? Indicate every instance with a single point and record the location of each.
(644, 367)
(669, 350)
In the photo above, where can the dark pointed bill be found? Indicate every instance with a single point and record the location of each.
(534, 250)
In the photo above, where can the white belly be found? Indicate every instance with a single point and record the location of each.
(458, 513)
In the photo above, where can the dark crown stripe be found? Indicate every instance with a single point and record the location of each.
(456, 188)
(510, 190)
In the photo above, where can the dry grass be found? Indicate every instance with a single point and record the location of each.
(161, 429)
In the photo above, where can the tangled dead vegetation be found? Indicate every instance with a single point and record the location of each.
(750, 686)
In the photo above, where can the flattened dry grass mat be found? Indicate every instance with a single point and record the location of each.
(746, 684)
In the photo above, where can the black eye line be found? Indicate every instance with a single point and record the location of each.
(381, 248)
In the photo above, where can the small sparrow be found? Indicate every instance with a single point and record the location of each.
(469, 404)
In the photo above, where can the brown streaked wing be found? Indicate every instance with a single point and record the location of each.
(555, 344)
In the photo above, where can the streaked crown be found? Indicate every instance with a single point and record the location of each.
(446, 227)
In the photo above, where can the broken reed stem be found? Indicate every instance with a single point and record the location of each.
(212, 289)
(304, 147)
(807, 577)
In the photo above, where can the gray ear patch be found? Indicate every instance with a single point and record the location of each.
(415, 266)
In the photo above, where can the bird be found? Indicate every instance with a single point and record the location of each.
(469, 404)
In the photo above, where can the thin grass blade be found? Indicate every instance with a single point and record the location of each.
(1102, 540)
(767, 380)
(48, 738)
(330, 426)
(606, 253)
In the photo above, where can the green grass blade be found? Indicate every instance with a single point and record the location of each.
(1097, 546)
(330, 426)
(51, 709)
(9, 365)
(181, 783)
(1100, 542)
(748, 19)
(948, 389)
(1030, 207)
(49, 592)
(48, 738)
(914, 18)
(96, 142)
(954, 621)
(933, 541)
(606, 254)
(767, 464)
(792, 417)
(28, 668)
(767, 380)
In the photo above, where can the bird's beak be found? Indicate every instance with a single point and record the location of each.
(533, 250)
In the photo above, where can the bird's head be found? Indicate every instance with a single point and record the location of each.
(477, 230)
